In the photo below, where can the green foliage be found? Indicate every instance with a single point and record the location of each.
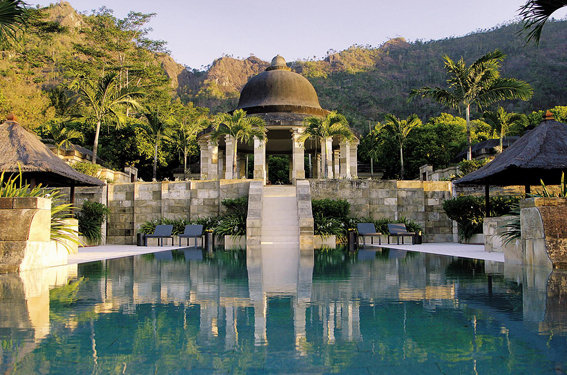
(87, 168)
(512, 229)
(91, 217)
(469, 166)
(278, 169)
(231, 225)
(237, 206)
(469, 211)
(65, 295)
(149, 227)
(562, 186)
(333, 208)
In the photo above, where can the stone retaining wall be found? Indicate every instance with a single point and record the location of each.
(132, 204)
(420, 201)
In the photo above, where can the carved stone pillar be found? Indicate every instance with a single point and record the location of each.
(345, 160)
(354, 159)
(298, 155)
(213, 161)
(230, 143)
(204, 160)
(328, 142)
(260, 159)
(336, 165)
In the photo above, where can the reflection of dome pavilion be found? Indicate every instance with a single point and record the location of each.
(283, 99)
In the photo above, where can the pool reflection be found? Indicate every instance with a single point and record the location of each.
(306, 311)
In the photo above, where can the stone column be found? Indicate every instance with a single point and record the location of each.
(345, 160)
(213, 161)
(260, 159)
(329, 156)
(242, 166)
(298, 155)
(204, 161)
(336, 158)
(318, 167)
(229, 157)
(221, 165)
(354, 159)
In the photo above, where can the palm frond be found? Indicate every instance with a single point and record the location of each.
(535, 14)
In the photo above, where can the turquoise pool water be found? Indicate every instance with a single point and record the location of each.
(282, 311)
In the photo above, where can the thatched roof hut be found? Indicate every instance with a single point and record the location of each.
(37, 162)
(541, 154)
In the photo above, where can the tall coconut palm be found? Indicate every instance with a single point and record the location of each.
(319, 129)
(477, 85)
(157, 127)
(535, 14)
(401, 129)
(14, 16)
(241, 127)
(105, 99)
(500, 121)
(186, 131)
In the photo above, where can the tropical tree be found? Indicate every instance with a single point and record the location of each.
(319, 129)
(187, 128)
(535, 14)
(501, 121)
(239, 126)
(401, 130)
(477, 85)
(105, 98)
(157, 126)
(62, 135)
(14, 16)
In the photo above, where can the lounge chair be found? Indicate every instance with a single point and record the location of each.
(192, 231)
(368, 229)
(399, 230)
(161, 232)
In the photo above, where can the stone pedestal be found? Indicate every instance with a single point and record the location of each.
(229, 157)
(260, 159)
(213, 161)
(354, 160)
(298, 156)
(345, 160)
(204, 162)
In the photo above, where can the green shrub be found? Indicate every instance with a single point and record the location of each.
(231, 225)
(91, 217)
(469, 166)
(87, 168)
(238, 206)
(331, 208)
(469, 211)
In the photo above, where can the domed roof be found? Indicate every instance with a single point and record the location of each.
(278, 89)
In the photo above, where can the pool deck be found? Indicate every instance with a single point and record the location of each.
(97, 253)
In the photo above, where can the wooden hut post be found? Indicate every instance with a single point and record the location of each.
(487, 199)
(527, 189)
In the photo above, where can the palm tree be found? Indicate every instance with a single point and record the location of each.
(186, 132)
(401, 129)
(14, 16)
(62, 135)
(535, 14)
(319, 129)
(500, 121)
(239, 126)
(477, 85)
(105, 98)
(157, 127)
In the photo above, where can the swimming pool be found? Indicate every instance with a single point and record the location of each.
(283, 311)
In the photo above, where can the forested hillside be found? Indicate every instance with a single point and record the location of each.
(365, 82)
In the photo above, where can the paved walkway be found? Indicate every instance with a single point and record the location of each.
(450, 249)
(280, 225)
(96, 253)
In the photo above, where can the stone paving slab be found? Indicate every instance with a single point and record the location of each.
(449, 249)
(96, 253)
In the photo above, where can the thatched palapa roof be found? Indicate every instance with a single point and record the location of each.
(20, 147)
(541, 154)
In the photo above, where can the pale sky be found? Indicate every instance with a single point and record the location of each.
(197, 32)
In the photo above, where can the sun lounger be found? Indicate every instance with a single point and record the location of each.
(161, 232)
(399, 230)
(192, 231)
(368, 229)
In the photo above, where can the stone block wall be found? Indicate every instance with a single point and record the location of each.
(420, 201)
(132, 204)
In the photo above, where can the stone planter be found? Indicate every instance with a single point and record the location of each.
(325, 242)
(476, 239)
(25, 242)
(234, 242)
(544, 231)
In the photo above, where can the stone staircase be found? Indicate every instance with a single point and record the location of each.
(280, 223)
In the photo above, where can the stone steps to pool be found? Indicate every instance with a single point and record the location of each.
(280, 224)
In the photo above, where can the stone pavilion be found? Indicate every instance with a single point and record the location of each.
(283, 99)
